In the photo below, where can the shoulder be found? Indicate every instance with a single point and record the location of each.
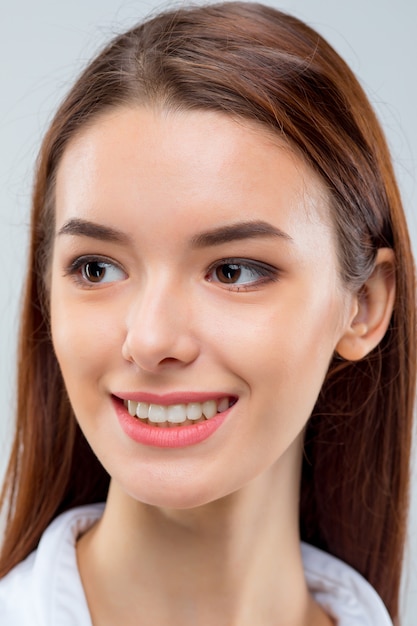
(45, 589)
(342, 592)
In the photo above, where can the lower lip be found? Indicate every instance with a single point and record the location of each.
(169, 436)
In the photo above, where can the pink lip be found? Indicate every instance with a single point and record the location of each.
(166, 437)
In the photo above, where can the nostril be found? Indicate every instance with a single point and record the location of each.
(169, 361)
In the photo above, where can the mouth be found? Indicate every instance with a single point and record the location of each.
(185, 414)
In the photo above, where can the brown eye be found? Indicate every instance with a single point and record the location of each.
(228, 272)
(242, 274)
(95, 271)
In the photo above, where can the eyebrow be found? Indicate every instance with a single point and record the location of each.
(236, 232)
(85, 228)
(224, 234)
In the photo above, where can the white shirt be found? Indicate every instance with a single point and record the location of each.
(46, 590)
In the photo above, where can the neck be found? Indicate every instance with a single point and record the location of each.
(235, 561)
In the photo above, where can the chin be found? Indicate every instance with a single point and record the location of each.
(165, 494)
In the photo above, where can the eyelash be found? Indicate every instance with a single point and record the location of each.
(265, 273)
(77, 267)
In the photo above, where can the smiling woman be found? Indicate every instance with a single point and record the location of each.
(218, 340)
(191, 260)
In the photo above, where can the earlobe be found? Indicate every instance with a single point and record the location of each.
(372, 310)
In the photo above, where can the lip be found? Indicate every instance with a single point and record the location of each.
(168, 437)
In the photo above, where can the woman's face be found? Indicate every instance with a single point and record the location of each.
(194, 269)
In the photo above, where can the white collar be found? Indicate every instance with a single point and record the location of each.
(46, 588)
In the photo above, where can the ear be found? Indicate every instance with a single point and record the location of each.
(371, 310)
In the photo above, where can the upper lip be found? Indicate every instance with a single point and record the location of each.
(174, 397)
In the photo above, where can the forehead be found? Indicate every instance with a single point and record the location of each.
(168, 163)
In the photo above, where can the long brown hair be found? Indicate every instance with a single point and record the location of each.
(256, 63)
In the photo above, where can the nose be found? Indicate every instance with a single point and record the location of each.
(159, 332)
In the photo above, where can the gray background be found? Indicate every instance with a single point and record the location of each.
(44, 44)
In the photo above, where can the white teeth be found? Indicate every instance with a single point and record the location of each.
(223, 405)
(210, 408)
(157, 413)
(194, 411)
(177, 413)
(131, 407)
(142, 410)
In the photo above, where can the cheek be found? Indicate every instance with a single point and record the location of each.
(84, 339)
(301, 331)
(284, 348)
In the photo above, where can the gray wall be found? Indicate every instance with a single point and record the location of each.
(43, 44)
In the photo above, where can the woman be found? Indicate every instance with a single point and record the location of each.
(220, 301)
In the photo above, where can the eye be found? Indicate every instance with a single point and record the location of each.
(101, 272)
(90, 271)
(241, 273)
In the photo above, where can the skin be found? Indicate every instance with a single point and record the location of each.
(211, 528)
